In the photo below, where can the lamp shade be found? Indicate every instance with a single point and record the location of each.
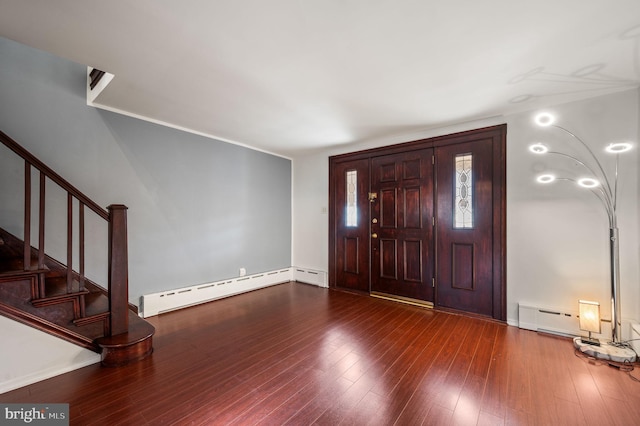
(589, 316)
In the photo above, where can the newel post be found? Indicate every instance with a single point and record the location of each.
(118, 270)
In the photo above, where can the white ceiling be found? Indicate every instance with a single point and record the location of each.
(289, 75)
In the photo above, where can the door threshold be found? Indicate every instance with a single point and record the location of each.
(402, 299)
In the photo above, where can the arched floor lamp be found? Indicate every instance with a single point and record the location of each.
(599, 184)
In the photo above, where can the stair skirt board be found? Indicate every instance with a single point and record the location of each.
(166, 301)
(564, 322)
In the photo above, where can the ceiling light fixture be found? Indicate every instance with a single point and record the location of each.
(619, 147)
(548, 178)
(588, 182)
(538, 148)
(545, 119)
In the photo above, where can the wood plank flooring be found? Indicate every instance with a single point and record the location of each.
(297, 354)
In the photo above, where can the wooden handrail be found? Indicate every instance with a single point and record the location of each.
(116, 217)
(31, 159)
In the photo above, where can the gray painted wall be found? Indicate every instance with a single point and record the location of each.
(199, 209)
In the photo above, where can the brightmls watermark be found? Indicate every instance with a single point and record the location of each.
(34, 414)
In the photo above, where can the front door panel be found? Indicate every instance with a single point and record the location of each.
(465, 226)
(351, 185)
(401, 229)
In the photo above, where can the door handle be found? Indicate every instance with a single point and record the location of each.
(374, 235)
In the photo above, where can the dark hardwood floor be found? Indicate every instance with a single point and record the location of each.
(297, 354)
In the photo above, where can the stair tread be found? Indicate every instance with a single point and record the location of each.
(88, 319)
(61, 296)
(139, 330)
(19, 270)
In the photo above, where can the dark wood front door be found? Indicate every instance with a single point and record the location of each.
(465, 225)
(402, 259)
(435, 230)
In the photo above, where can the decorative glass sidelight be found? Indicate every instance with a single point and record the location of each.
(352, 198)
(463, 203)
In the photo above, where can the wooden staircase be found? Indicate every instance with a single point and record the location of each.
(40, 291)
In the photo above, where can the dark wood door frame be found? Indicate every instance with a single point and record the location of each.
(498, 134)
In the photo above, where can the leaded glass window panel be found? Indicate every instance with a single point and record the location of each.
(463, 203)
(352, 198)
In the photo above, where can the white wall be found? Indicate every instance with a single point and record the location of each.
(557, 237)
(310, 220)
(36, 356)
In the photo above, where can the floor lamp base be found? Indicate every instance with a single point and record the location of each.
(605, 351)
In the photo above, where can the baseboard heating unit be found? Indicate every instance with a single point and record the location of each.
(550, 320)
(166, 301)
(555, 321)
(310, 276)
